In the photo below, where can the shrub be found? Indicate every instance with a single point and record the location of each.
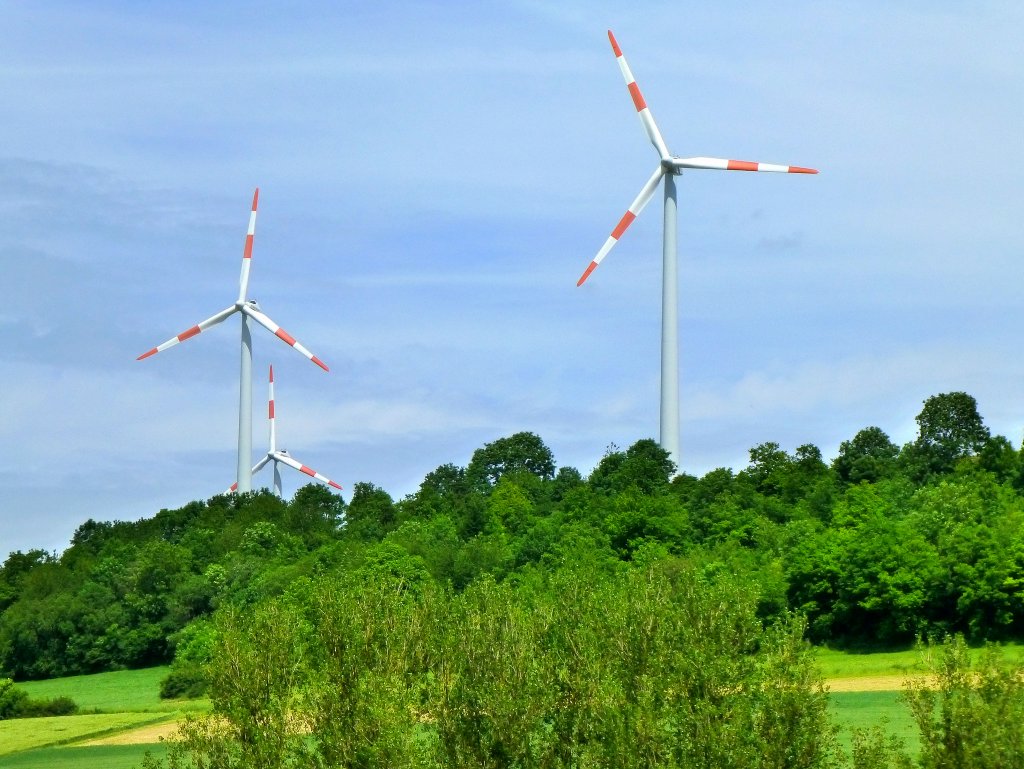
(15, 703)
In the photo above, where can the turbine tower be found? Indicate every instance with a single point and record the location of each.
(281, 456)
(246, 308)
(669, 166)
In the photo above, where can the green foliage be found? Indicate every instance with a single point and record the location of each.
(644, 466)
(655, 666)
(371, 514)
(875, 548)
(949, 429)
(16, 703)
(519, 454)
(971, 714)
(870, 456)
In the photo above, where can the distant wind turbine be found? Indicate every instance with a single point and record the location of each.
(279, 456)
(669, 166)
(246, 308)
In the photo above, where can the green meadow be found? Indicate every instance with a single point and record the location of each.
(93, 757)
(110, 703)
(117, 692)
(124, 700)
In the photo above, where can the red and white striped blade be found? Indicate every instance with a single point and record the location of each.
(282, 457)
(243, 280)
(279, 332)
(646, 118)
(255, 469)
(722, 164)
(270, 414)
(632, 213)
(194, 331)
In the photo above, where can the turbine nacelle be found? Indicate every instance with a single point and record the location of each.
(246, 308)
(668, 163)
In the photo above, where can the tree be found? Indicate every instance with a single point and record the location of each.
(315, 513)
(869, 456)
(645, 466)
(371, 514)
(520, 453)
(969, 715)
(768, 467)
(949, 429)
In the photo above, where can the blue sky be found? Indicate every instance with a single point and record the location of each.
(434, 178)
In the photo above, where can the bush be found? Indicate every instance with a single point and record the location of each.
(15, 703)
(970, 715)
(185, 680)
(12, 699)
(58, 706)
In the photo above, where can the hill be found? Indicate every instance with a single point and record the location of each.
(880, 545)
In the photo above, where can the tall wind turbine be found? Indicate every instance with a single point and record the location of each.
(281, 456)
(669, 166)
(246, 308)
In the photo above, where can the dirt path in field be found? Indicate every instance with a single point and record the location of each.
(890, 683)
(144, 735)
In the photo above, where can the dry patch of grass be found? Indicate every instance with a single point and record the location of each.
(146, 735)
(24, 733)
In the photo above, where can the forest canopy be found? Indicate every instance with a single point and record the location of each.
(879, 546)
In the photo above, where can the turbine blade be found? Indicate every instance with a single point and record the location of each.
(195, 330)
(243, 280)
(632, 213)
(722, 164)
(638, 101)
(270, 414)
(265, 321)
(255, 469)
(281, 457)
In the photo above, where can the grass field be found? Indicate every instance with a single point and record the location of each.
(112, 703)
(841, 664)
(118, 692)
(863, 710)
(99, 757)
(24, 733)
(130, 698)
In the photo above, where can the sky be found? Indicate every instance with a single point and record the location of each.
(434, 177)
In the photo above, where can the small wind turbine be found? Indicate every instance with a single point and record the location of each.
(246, 308)
(669, 166)
(278, 456)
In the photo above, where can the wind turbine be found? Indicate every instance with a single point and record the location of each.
(278, 456)
(669, 166)
(246, 308)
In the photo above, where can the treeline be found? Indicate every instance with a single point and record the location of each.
(881, 545)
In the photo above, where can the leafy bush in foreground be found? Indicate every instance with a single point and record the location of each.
(654, 666)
